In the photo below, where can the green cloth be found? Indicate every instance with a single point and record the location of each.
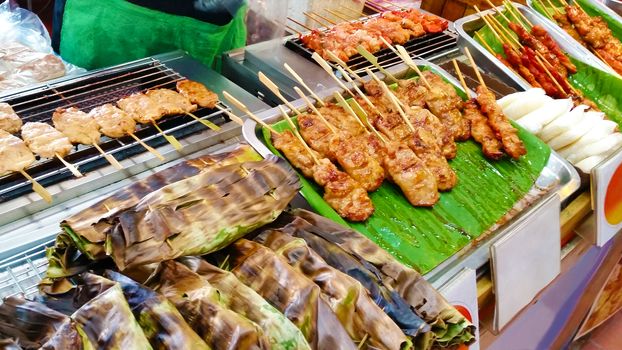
(99, 33)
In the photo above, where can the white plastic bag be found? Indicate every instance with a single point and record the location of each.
(26, 55)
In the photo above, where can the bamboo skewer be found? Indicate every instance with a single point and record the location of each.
(239, 105)
(275, 90)
(365, 121)
(557, 11)
(207, 123)
(516, 10)
(315, 110)
(293, 30)
(234, 118)
(355, 13)
(374, 61)
(112, 160)
(358, 91)
(300, 24)
(297, 134)
(146, 146)
(380, 82)
(396, 103)
(322, 17)
(344, 104)
(345, 66)
(460, 76)
(315, 19)
(479, 36)
(329, 70)
(406, 57)
(550, 75)
(40, 190)
(171, 139)
(69, 166)
(477, 73)
(302, 82)
(336, 14)
(546, 11)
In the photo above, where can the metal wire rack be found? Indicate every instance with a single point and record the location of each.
(21, 273)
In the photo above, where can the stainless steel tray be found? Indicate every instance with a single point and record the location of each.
(558, 178)
(488, 62)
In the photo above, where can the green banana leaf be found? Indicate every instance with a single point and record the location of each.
(200, 214)
(449, 326)
(281, 332)
(89, 228)
(162, 324)
(293, 294)
(357, 312)
(201, 306)
(599, 86)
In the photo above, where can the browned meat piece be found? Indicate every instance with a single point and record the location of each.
(14, 154)
(171, 102)
(411, 175)
(500, 124)
(341, 119)
(78, 126)
(444, 102)
(197, 93)
(316, 134)
(44, 140)
(295, 152)
(342, 193)
(9, 120)
(112, 121)
(141, 108)
(481, 131)
(541, 34)
(564, 23)
(528, 40)
(354, 159)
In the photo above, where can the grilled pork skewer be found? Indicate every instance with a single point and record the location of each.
(15, 157)
(47, 142)
(81, 128)
(197, 93)
(9, 120)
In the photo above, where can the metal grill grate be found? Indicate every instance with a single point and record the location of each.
(429, 47)
(85, 93)
(21, 273)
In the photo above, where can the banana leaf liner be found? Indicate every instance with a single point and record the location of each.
(201, 306)
(9, 344)
(200, 214)
(296, 296)
(361, 317)
(449, 326)
(90, 227)
(281, 332)
(162, 324)
(36, 326)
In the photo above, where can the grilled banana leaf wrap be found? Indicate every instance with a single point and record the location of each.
(162, 324)
(356, 311)
(202, 307)
(193, 216)
(281, 332)
(296, 296)
(390, 283)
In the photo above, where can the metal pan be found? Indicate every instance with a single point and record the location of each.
(468, 25)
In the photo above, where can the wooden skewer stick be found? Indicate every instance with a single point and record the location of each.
(355, 14)
(112, 160)
(395, 102)
(377, 80)
(171, 139)
(293, 30)
(295, 131)
(378, 9)
(239, 105)
(548, 73)
(406, 57)
(275, 90)
(505, 33)
(394, 4)
(483, 41)
(365, 121)
(494, 7)
(516, 10)
(477, 73)
(492, 28)
(207, 123)
(300, 24)
(358, 91)
(40, 190)
(344, 104)
(546, 11)
(302, 82)
(460, 77)
(336, 14)
(374, 61)
(329, 70)
(69, 166)
(315, 20)
(147, 147)
(340, 62)
(234, 118)
(324, 18)
(557, 11)
(310, 105)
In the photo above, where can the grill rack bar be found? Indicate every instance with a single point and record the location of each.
(21, 273)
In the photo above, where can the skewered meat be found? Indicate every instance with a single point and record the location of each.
(14, 154)
(197, 93)
(44, 140)
(342, 120)
(564, 23)
(9, 120)
(316, 134)
(354, 159)
(295, 152)
(530, 41)
(514, 61)
(407, 17)
(499, 123)
(481, 131)
(410, 174)
(141, 108)
(171, 102)
(390, 30)
(113, 122)
(342, 193)
(541, 34)
(78, 126)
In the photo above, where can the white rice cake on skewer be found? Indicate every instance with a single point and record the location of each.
(9, 120)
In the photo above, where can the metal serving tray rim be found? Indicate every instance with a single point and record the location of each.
(557, 178)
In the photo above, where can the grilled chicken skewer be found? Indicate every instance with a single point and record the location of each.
(47, 142)
(9, 120)
(197, 93)
(81, 128)
(15, 157)
(174, 103)
(114, 122)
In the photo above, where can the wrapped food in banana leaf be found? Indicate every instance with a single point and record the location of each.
(36, 326)
(201, 306)
(102, 317)
(290, 292)
(281, 332)
(361, 317)
(449, 326)
(200, 214)
(90, 227)
(163, 325)
(9, 344)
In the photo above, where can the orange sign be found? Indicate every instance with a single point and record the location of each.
(613, 198)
